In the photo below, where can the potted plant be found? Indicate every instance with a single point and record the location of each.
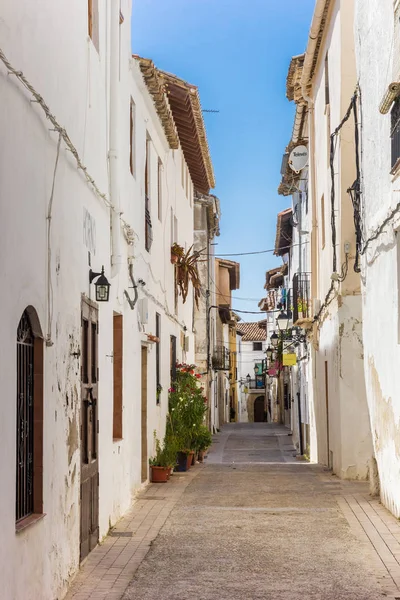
(176, 253)
(187, 408)
(187, 272)
(159, 469)
(203, 441)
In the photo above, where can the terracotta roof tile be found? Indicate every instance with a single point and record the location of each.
(252, 332)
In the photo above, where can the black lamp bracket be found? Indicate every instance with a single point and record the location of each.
(93, 275)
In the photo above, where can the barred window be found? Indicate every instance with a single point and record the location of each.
(395, 132)
(29, 424)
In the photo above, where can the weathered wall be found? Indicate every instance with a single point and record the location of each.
(72, 77)
(377, 46)
(338, 360)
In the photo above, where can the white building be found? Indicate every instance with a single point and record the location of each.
(378, 104)
(251, 375)
(97, 169)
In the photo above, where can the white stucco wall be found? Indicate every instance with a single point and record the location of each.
(52, 48)
(377, 45)
(339, 339)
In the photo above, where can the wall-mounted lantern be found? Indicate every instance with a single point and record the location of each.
(102, 286)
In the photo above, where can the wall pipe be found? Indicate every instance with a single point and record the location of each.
(116, 257)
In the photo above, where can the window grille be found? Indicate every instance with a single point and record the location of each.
(24, 474)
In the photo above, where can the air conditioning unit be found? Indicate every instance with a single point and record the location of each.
(143, 306)
(316, 306)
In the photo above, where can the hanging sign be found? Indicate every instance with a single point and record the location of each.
(289, 360)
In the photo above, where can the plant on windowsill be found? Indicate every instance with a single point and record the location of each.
(186, 272)
(176, 253)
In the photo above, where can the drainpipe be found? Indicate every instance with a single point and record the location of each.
(300, 429)
(116, 257)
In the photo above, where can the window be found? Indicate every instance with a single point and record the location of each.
(257, 346)
(323, 221)
(132, 127)
(159, 189)
(147, 218)
(93, 22)
(118, 375)
(158, 370)
(173, 359)
(326, 81)
(29, 424)
(395, 133)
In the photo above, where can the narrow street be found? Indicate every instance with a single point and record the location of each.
(251, 523)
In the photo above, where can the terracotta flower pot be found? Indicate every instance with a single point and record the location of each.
(192, 458)
(159, 474)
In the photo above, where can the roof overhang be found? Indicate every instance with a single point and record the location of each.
(234, 272)
(178, 106)
(315, 37)
(274, 277)
(156, 86)
(184, 101)
(284, 229)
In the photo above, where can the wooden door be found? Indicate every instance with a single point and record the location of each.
(89, 430)
(145, 466)
(259, 409)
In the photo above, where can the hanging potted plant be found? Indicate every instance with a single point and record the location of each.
(176, 253)
(187, 272)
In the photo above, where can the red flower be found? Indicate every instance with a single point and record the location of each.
(198, 375)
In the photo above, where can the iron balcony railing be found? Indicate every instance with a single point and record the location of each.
(148, 226)
(301, 296)
(395, 132)
(257, 384)
(221, 359)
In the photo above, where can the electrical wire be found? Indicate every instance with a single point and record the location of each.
(64, 135)
(260, 251)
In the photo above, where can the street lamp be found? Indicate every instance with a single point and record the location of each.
(102, 285)
(269, 352)
(274, 339)
(248, 378)
(283, 321)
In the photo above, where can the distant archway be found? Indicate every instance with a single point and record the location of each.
(259, 409)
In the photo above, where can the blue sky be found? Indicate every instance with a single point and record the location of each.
(237, 52)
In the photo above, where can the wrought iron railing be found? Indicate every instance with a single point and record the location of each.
(221, 359)
(257, 384)
(148, 226)
(301, 296)
(395, 132)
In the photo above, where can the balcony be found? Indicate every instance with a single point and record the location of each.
(301, 296)
(257, 384)
(221, 359)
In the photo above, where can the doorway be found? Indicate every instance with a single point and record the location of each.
(89, 430)
(259, 409)
(145, 468)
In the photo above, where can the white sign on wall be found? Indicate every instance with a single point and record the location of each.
(89, 231)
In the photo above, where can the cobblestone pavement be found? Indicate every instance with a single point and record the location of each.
(252, 523)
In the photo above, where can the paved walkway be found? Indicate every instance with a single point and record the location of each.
(252, 523)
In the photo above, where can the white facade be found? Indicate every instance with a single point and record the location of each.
(339, 385)
(252, 354)
(76, 81)
(377, 52)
